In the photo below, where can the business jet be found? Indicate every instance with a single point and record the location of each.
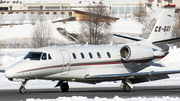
(94, 64)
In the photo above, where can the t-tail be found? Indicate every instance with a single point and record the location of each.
(163, 27)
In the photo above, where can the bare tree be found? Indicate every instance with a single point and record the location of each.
(176, 29)
(148, 27)
(41, 17)
(21, 18)
(41, 35)
(95, 26)
(33, 18)
(2, 20)
(140, 13)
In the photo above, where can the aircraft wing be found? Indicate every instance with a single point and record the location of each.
(134, 77)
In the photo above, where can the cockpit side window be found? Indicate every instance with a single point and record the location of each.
(49, 57)
(44, 57)
(33, 56)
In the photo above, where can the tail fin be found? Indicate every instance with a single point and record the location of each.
(163, 27)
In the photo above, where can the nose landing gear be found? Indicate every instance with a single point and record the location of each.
(22, 89)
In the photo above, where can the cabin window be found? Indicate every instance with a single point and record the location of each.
(99, 55)
(49, 57)
(44, 57)
(82, 55)
(108, 54)
(33, 56)
(74, 55)
(90, 55)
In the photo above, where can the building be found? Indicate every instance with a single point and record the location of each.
(116, 7)
(163, 2)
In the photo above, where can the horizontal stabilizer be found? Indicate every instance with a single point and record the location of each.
(168, 41)
(126, 37)
(2, 71)
(132, 75)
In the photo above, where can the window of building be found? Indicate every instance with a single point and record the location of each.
(74, 55)
(32, 12)
(134, 9)
(99, 55)
(169, 1)
(44, 57)
(115, 10)
(2, 13)
(128, 10)
(70, 14)
(65, 7)
(33, 8)
(90, 55)
(121, 10)
(24, 12)
(54, 13)
(17, 12)
(62, 13)
(108, 54)
(3, 8)
(159, 1)
(73, 7)
(49, 57)
(81, 6)
(47, 12)
(53, 8)
(82, 55)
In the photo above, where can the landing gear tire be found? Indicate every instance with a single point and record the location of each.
(22, 89)
(126, 88)
(64, 87)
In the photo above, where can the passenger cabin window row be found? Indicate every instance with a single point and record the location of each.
(37, 56)
(90, 55)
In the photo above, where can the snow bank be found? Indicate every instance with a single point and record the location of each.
(116, 98)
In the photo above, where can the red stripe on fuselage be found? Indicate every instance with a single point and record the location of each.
(88, 64)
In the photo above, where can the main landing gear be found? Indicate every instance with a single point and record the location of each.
(126, 85)
(22, 89)
(63, 85)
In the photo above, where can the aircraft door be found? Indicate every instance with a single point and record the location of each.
(66, 62)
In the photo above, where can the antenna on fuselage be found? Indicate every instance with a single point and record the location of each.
(86, 43)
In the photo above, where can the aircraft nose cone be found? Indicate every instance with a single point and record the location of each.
(9, 73)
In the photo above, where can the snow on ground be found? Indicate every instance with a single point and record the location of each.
(116, 98)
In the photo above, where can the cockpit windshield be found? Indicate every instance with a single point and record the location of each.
(33, 56)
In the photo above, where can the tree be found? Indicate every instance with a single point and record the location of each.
(95, 26)
(41, 35)
(2, 20)
(21, 18)
(33, 18)
(176, 29)
(140, 13)
(148, 27)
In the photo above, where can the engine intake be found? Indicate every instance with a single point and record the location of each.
(136, 52)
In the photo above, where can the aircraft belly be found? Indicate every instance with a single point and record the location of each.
(78, 73)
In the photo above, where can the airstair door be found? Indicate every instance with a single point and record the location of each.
(66, 62)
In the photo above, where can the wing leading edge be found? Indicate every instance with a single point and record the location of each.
(134, 77)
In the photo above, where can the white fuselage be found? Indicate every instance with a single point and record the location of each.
(74, 63)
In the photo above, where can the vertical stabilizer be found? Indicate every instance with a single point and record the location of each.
(163, 27)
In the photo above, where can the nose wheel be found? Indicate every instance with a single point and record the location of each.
(22, 89)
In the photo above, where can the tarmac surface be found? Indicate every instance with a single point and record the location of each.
(108, 92)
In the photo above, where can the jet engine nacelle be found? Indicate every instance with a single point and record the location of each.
(136, 52)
